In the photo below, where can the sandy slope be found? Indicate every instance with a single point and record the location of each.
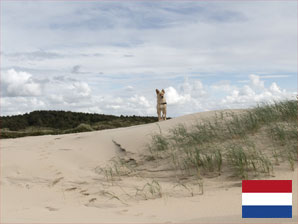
(51, 179)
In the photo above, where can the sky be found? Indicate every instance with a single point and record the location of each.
(108, 57)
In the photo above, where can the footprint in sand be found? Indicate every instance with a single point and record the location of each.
(51, 209)
(44, 155)
(65, 149)
(92, 200)
(123, 211)
(71, 189)
(56, 181)
(84, 192)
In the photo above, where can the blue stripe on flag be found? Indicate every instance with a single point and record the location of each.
(269, 211)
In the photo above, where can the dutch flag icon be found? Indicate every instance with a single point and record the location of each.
(267, 199)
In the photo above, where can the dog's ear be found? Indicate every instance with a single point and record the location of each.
(163, 90)
(157, 91)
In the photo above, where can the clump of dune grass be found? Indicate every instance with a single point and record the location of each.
(116, 168)
(291, 155)
(285, 135)
(279, 111)
(206, 146)
(150, 190)
(283, 132)
(160, 143)
(111, 195)
(242, 161)
(195, 159)
(193, 189)
(186, 187)
(201, 158)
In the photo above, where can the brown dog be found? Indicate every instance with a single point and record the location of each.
(161, 105)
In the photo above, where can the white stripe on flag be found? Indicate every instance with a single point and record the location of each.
(266, 198)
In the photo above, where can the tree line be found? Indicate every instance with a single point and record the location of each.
(63, 120)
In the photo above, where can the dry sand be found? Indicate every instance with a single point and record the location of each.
(54, 179)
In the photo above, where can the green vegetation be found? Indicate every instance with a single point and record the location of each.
(62, 122)
(116, 168)
(243, 161)
(150, 190)
(231, 139)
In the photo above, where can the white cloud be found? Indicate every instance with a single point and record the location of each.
(173, 97)
(114, 107)
(256, 82)
(81, 88)
(246, 91)
(16, 83)
(274, 76)
(129, 105)
(56, 99)
(67, 91)
(222, 86)
(129, 88)
(189, 91)
(274, 88)
(20, 105)
(140, 100)
(190, 97)
(194, 88)
(256, 92)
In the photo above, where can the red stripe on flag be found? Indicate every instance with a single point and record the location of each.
(266, 186)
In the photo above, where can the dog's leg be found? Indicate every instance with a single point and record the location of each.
(159, 115)
(164, 114)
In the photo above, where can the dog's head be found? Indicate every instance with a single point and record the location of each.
(160, 94)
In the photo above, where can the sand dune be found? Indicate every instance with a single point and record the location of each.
(55, 179)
